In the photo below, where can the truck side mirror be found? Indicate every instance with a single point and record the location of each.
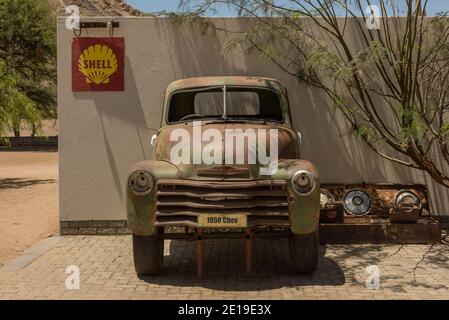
(153, 139)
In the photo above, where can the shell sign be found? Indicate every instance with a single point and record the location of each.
(98, 64)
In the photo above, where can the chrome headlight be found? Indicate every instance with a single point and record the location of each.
(406, 197)
(357, 202)
(141, 182)
(303, 182)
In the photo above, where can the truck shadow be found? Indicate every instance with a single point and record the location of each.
(224, 266)
(19, 183)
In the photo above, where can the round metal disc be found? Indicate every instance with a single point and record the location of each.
(406, 196)
(357, 202)
(326, 197)
(141, 182)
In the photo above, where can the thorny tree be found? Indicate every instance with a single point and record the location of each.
(27, 64)
(393, 90)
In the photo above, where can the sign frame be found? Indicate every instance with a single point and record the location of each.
(93, 62)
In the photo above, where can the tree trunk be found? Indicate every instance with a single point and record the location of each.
(428, 166)
(33, 129)
(16, 131)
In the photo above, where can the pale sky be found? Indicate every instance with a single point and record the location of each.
(433, 7)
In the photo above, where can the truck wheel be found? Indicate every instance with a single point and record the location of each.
(304, 252)
(148, 252)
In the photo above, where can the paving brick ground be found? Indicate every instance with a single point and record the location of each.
(105, 262)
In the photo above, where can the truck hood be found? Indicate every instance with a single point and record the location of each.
(224, 150)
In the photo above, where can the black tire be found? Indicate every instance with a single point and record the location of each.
(304, 252)
(148, 252)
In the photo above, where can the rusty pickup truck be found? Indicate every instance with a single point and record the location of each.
(226, 159)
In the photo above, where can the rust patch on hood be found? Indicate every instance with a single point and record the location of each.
(287, 141)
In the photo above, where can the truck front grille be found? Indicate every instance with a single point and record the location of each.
(180, 202)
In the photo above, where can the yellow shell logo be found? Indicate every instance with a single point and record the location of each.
(98, 63)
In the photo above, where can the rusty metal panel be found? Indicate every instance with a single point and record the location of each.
(223, 171)
(287, 143)
(383, 195)
(332, 214)
(424, 232)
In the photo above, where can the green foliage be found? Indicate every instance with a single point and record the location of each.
(268, 51)
(27, 63)
(190, 21)
(445, 129)
(21, 107)
(296, 15)
(414, 125)
(365, 132)
(28, 37)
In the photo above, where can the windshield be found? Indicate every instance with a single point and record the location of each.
(225, 103)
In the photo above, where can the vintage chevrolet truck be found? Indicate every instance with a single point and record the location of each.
(226, 159)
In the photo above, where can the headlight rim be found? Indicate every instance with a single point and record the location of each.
(134, 175)
(311, 177)
(401, 194)
(361, 190)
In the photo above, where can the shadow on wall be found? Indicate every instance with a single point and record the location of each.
(340, 155)
(124, 115)
(438, 195)
(327, 141)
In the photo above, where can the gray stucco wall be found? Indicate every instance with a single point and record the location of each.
(103, 134)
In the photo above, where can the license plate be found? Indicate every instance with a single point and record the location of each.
(217, 220)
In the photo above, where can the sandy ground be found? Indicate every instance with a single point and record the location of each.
(28, 200)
